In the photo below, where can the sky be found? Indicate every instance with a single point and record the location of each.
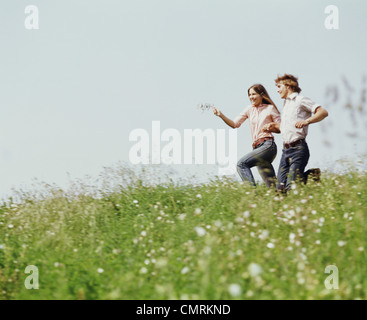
(73, 90)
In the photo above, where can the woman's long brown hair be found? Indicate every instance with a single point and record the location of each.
(259, 88)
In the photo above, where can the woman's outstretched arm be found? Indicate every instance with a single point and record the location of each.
(224, 118)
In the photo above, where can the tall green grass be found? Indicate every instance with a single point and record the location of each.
(220, 240)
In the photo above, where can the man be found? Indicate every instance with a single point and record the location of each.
(297, 114)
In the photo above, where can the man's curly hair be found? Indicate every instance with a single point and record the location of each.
(290, 81)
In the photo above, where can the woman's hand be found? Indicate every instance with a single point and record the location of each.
(228, 121)
(271, 127)
(217, 112)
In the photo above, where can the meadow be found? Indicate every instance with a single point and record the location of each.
(218, 240)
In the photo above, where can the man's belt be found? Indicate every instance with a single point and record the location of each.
(293, 144)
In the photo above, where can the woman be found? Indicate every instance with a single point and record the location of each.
(262, 111)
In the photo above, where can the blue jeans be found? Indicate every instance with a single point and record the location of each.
(261, 156)
(292, 165)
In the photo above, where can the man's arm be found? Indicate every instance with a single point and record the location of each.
(319, 115)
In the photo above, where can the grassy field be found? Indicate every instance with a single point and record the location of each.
(220, 240)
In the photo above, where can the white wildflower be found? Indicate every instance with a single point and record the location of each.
(185, 270)
(197, 211)
(239, 220)
(292, 236)
(200, 231)
(217, 223)
(341, 243)
(264, 234)
(254, 269)
(249, 293)
(234, 290)
(303, 256)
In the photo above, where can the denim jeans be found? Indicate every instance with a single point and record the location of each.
(261, 157)
(292, 165)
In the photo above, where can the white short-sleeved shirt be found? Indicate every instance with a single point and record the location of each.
(258, 117)
(296, 108)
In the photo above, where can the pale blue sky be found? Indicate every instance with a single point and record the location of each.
(72, 91)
